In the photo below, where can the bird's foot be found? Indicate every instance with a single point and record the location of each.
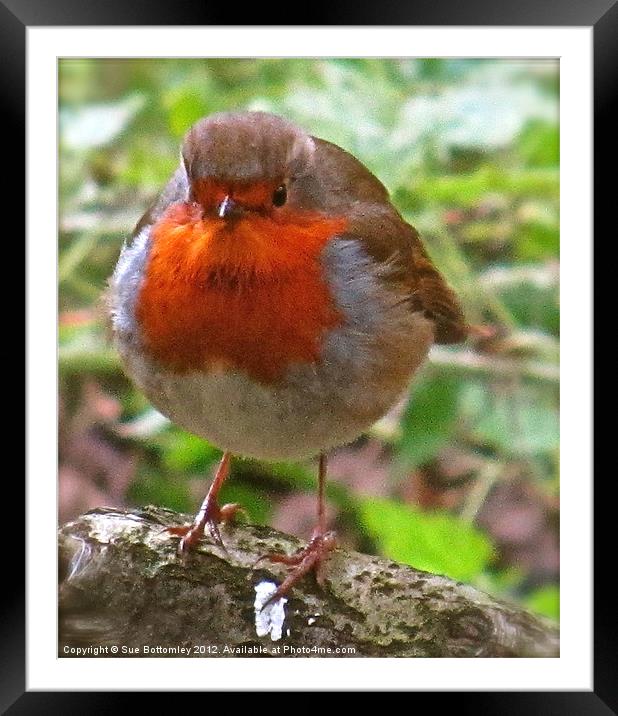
(306, 559)
(211, 516)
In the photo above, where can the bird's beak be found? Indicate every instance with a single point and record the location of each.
(226, 207)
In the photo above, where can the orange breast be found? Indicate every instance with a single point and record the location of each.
(246, 295)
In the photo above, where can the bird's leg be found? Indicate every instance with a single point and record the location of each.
(310, 557)
(210, 513)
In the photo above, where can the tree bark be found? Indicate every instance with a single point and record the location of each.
(123, 587)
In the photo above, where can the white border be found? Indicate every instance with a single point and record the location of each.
(573, 670)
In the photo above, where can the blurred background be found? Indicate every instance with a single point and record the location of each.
(461, 480)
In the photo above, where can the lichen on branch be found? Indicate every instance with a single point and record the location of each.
(122, 584)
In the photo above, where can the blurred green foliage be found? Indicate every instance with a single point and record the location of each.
(433, 541)
(469, 151)
(430, 419)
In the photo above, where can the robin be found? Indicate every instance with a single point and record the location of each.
(274, 302)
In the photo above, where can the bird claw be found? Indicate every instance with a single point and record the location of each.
(211, 518)
(304, 560)
(228, 511)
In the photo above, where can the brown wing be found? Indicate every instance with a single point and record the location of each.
(398, 247)
(347, 185)
(435, 297)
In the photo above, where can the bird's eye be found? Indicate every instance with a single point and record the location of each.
(280, 195)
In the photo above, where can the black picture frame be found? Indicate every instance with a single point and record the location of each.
(601, 15)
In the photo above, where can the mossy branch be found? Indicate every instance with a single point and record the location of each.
(123, 585)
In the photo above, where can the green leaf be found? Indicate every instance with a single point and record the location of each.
(525, 423)
(156, 489)
(537, 240)
(96, 125)
(148, 169)
(188, 453)
(546, 601)
(429, 419)
(257, 504)
(185, 106)
(540, 143)
(534, 305)
(435, 542)
(470, 189)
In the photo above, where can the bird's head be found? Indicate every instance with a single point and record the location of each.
(247, 162)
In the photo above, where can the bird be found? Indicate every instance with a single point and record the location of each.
(273, 301)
